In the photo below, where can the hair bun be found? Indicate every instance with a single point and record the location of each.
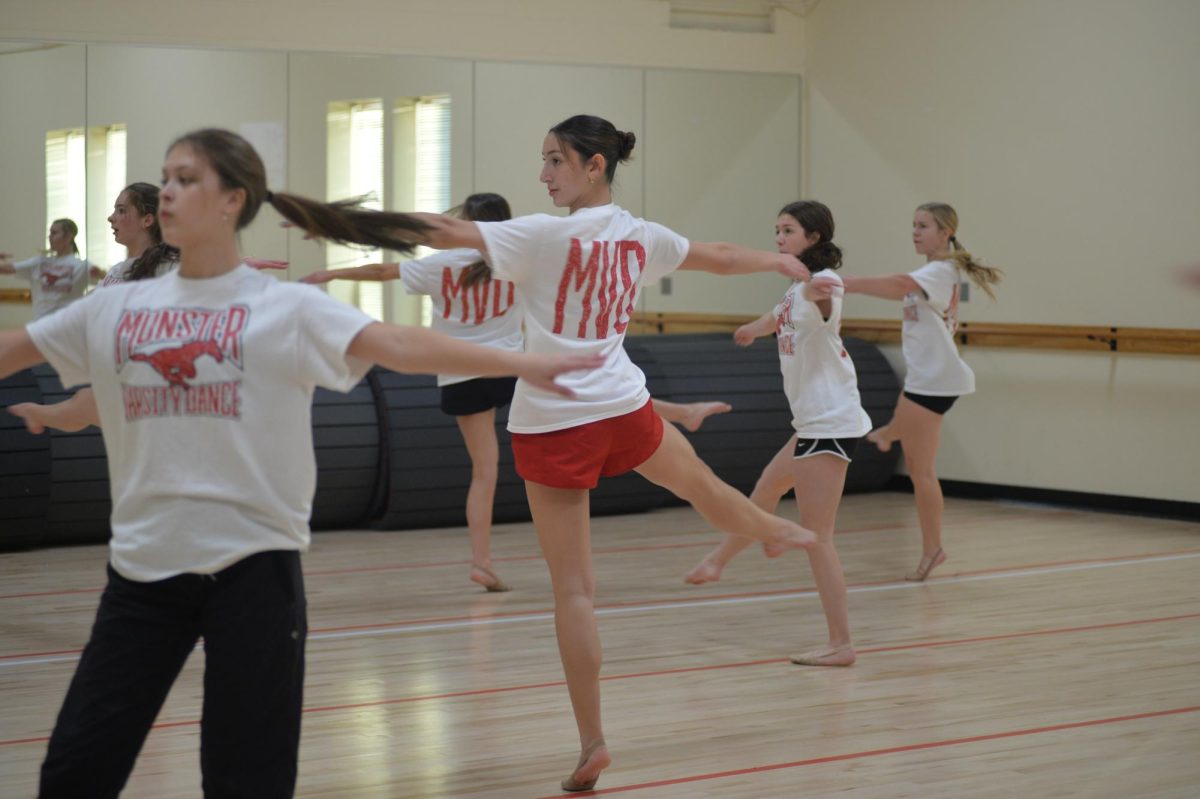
(627, 142)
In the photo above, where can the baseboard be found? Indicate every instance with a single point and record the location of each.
(1138, 506)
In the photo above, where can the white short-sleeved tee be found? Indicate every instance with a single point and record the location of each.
(930, 319)
(578, 278)
(120, 272)
(57, 281)
(818, 374)
(204, 388)
(487, 313)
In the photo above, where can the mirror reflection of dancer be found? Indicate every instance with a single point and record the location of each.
(827, 415)
(578, 277)
(204, 380)
(134, 223)
(936, 374)
(56, 278)
(487, 312)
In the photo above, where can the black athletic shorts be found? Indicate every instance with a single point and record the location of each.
(842, 447)
(478, 395)
(938, 405)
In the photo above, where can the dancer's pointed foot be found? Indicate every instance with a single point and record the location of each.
(697, 412)
(880, 439)
(706, 571)
(488, 579)
(31, 413)
(792, 536)
(829, 656)
(594, 759)
(928, 563)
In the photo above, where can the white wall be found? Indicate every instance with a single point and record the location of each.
(1064, 134)
(614, 32)
(213, 88)
(722, 156)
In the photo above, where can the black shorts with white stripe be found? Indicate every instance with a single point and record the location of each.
(841, 447)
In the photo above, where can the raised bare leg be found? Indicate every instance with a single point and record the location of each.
(775, 481)
(676, 467)
(70, 415)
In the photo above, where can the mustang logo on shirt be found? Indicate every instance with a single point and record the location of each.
(178, 363)
(57, 279)
(171, 341)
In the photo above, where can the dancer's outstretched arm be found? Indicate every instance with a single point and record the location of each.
(423, 351)
(379, 272)
(722, 258)
(888, 287)
(762, 326)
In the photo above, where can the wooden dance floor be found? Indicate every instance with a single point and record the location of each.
(1056, 653)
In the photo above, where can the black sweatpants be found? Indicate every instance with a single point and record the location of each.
(253, 619)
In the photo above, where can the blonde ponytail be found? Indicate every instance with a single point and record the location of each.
(980, 274)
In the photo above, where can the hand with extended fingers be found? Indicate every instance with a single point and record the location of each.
(793, 267)
(744, 336)
(822, 288)
(266, 263)
(319, 277)
(540, 370)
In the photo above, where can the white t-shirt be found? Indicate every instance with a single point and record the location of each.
(120, 272)
(818, 375)
(487, 313)
(930, 319)
(57, 281)
(578, 278)
(204, 388)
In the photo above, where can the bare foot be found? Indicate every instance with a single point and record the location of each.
(594, 760)
(30, 413)
(829, 656)
(928, 563)
(697, 412)
(706, 571)
(488, 579)
(879, 438)
(790, 536)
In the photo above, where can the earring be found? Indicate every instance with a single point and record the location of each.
(224, 217)
(591, 181)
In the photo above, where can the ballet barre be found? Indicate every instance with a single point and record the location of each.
(1097, 338)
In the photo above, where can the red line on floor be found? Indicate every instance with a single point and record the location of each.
(685, 670)
(437, 564)
(891, 750)
(675, 600)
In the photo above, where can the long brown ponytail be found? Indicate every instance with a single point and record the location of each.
(484, 207)
(980, 274)
(346, 222)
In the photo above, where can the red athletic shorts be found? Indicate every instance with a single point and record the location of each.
(577, 457)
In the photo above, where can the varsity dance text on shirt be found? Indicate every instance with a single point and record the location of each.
(171, 341)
